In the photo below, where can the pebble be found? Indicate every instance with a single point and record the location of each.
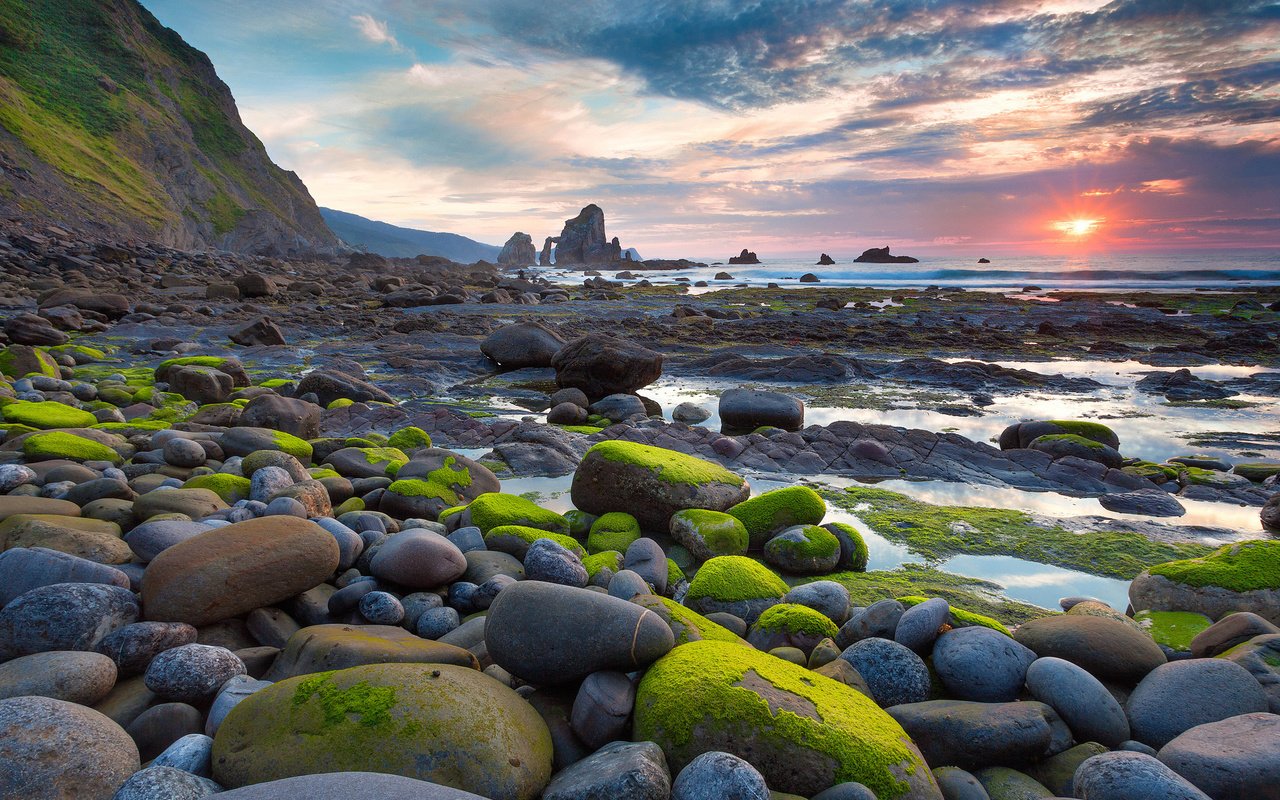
(828, 598)
(602, 708)
(192, 672)
(229, 696)
(166, 783)
(381, 608)
(878, 620)
(894, 673)
(73, 676)
(192, 753)
(630, 770)
(720, 775)
(418, 559)
(549, 561)
(919, 625)
(436, 622)
(159, 726)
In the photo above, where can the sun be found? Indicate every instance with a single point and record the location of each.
(1079, 227)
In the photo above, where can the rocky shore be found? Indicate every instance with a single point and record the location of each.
(259, 539)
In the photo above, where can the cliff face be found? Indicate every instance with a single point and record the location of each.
(110, 123)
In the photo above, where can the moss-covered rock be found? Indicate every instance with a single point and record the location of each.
(707, 534)
(686, 624)
(1257, 471)
(791, 625)
(580, 523)
(1237, 577)
(803, 731)
(323, 648)
(652, 483)
(496, 509)
(1024, 433)
(20, 360)
(613, 531)
(515, 540)
(853, 548)
(777, 510)
(47, 414)
(1062, 445)
(400, 719)
(959, 617)
(803, 550)
(736, 584)
(231, 488)
(609, 559)
(367, 462)
(1173, 629)
(49, 445)
(410, 438)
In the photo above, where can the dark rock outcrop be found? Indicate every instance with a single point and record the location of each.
(602, 365)
(518, 251)
(745, 257)
(825, 260)
(583, 241)
(880, 255)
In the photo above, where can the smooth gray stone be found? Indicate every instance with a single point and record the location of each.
(229, 696)
(133, 646)
(346, 786)
(978, 663)
(548, 560)
(166, 783)
(434, 623)
(1180, 695)
(1237, 757)
(918, 626)
(894, 673)
(381, 608)
(719, 775)
(1131, 776)
(350, 545)
(846, 791)
(958, 784)
(1086, 706)
(646, 558)
(64, 616)
(828, 598)
(976, 735)
(468, 539)
(627, 584)
(602, 708)
(25, 568)
(192, 753)
(55, 749)
(161, 725)
(877, 621)
(153, 537)
(192, 672)
(623, 770)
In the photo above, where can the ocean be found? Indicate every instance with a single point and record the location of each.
(1211, 270)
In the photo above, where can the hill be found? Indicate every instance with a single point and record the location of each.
(395, 242)
(110, 123)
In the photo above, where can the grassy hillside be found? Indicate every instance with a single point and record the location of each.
(111, 121)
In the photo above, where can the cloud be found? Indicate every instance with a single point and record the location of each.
(376, 31)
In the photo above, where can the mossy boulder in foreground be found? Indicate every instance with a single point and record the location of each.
(803, 731)
(736, 584)
(47, 414)
(774, 511)
(707, 534)
(652, 483)
(401, 719)
(53, 445)
(496, 509)
(1236, 577)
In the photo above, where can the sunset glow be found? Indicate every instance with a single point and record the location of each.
(1079, 227)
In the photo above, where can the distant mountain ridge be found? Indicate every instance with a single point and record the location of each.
(111, 124)
(395, 242)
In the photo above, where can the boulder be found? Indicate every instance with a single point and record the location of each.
(977, 663)
(971, 735)
(652, 483)
(418, 559)
(602, 365)
(331, 384)
(346, 785)
(260, 332)
(296, 417)
(1090, 711)
(712, 696)
(63, 616)
(51, 749)
(1235, 757)
(70, 675)
(735, 584)
(776, 510)
(894, 674)
(707, 534)
(1180, 695)
(321, 648)
(744, 410)
(524, 344)
(745, 257)
(377, 717)
(880, 255)
(1261, 656)
(234, 569)
(630, 770)
(1236, 577)
(25, 568)
(549, 634)
(1109, 649)
(1131, 776)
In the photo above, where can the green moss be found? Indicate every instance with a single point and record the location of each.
(230, 488)
(356, 441)
(733, 578)
(1173, 629)
(79, 352)
(959, 617)
(938, 532)
(349, 505)
(11, 430)
(390, 458)
(531, 535)
(1068, 438)
(320, 473)
(1257, 471)
(817, 543)
(579, 523)
(722, 533)
(674, 573)
(132, 426)
(58, 444)
(275, 383)
(584, 429)
(47, 414)
(858, 559)
(712, 695)
(598, 561)
(288, 443)
(795, 618)
(48, 367)
(1241, 567)
(687, 624)
(980, 596)
(341, 402)
(370, 704)
(416, 487)
(1093, 431)
(770, 512)
(495, 509)
(613, 531)
(214, 362)
(668, 466)
(410, 438)
(449, 512)
(1152, 471)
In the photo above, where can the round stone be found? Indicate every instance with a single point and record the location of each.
(1180, 695)
(979, 663)
(51, 749)
(1236, 757)
(63, 616)
(829, 598)
(166, 783)
(803, 550)
(720, 775)
(184, 453)
(1131, 776)
(381, 608)
(1092, 712)
(374, 717)
(919, 624)
(973, 735)
(346, 785)
(893, 672)
(548, 561)
(73, 676)
(1107, 648)
(192, 672)
(418, 559)
(707, 534)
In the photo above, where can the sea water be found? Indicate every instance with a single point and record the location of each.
(1183, 271)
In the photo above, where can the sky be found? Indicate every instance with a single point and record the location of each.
(790, 127)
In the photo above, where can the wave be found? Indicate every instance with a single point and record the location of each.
(1075, 275)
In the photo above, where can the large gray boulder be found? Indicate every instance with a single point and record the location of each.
(52, 750)
(744, 410)
(524, 344)
(602, 365)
